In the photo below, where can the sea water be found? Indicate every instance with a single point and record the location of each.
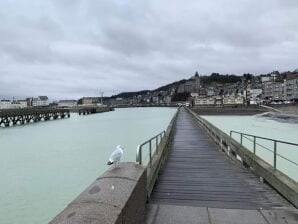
(45, 165)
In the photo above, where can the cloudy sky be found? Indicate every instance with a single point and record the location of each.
(71, 48)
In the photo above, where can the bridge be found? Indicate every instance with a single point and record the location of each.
(192, 174)
(11, 117)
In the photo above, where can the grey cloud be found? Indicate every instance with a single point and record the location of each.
(68, 49)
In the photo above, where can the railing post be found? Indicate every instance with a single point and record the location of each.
(254, 144)
(274, 161)
(241, 138)
(156, 144)
(150, 148)
(139, 155)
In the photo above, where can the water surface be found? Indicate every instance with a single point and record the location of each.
(45, 165)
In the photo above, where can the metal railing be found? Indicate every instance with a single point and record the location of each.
(157, 140)
(274, 151)
(157, 147)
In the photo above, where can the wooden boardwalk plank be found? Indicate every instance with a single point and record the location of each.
(198, 174)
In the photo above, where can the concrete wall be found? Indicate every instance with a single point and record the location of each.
(118, 196)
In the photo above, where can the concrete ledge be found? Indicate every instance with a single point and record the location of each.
(118, 196)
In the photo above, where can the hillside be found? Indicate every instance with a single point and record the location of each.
(205, 80)
(143, 92)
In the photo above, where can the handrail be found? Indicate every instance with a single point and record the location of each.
(284, 184)
(274, 151)
(140, 147)
(156, 158)
(289, 143)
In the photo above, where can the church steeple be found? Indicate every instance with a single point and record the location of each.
(197, 82)
(196, 74)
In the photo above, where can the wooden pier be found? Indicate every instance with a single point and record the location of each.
(13, 117)
(200, 184)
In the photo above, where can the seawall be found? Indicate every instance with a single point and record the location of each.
(252, 110)
(116, 197)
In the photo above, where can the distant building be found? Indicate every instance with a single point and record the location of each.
(255, 96)
(210, 91)
(155, 99)
(204, 101)
(168, 100)
(291, 88)
(266, 78)
(218, 101)
(18, 104)
(231, 100)
(5, 104)
(40, 101)
(197, 82)
(122, 102)
(14, 104)
(187, 87)
(273, 91)
(67, 103)
(89, 100)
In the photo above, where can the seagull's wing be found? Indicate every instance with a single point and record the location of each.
(116, 155)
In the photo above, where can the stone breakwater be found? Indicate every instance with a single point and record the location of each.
(288, 109)
(283, 117)
(253, 110)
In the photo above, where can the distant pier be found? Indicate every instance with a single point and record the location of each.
(13, 117)
(91, 110)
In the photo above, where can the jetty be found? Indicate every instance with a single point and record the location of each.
(190, 173)
(11, 117)
(85, 110)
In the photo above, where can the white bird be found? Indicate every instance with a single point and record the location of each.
(116, 155)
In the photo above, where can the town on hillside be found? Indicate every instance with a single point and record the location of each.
(215, 90)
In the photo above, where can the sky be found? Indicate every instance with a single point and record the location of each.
(67, 49)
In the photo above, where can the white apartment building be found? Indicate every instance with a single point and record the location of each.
(204, 101)
(255, 96)
(288, 90)
(5, 104)
(40, 101)
(291, 89)
(15, 104)
(231, 100)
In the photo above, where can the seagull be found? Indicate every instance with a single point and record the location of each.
(116, 156)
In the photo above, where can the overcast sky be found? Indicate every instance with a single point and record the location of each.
(71, 48)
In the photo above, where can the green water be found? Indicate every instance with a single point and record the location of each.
(45, 165)
(262, 126)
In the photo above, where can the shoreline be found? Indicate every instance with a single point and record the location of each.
(240, 111)
(287, 109)
(245, 111)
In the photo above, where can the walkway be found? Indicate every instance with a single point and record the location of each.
(199, 184)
